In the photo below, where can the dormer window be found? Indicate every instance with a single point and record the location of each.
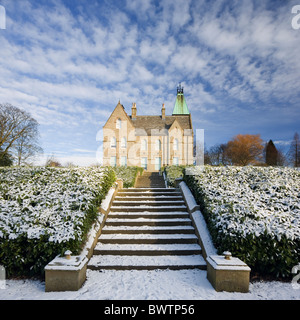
(118, 123)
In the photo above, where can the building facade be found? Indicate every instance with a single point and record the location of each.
(149, 141)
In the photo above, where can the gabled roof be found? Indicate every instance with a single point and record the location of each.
(145, 124)
(121, 108)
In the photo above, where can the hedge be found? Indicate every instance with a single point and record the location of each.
(253, 212)
(44, 211)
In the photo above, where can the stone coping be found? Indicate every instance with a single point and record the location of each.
(198, 220)
(220, 263)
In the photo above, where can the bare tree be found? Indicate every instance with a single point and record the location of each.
(26, 148)
(18, 130)
(218, 154)
(294, 152)
(52, 162)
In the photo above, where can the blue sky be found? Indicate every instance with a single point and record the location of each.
(69, 62)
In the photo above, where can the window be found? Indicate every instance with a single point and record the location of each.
(124, 161)
(113, 161)
(118, 123)
(144, 163)
(175, 161)
(113, 142)
(144, 145)
(123, 142)
(157, 163)
(175, 144)
(157, 145)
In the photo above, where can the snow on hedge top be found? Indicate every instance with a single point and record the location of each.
(46, 201)
(251, 200)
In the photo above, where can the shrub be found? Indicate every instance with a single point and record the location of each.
(127, 174)
(44, 211)
(252, 212)
(172, 173)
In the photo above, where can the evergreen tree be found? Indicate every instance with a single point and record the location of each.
(271, 154)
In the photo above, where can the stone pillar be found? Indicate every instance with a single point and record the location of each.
(226, 273)
(120, 183)
(65, 274)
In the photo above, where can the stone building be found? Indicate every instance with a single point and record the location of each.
(149, 141)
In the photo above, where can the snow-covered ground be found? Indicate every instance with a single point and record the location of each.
(147, 285)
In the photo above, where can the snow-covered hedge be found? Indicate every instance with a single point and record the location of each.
(254, 212)
(172, 173)
(127, 174)
(44, 211)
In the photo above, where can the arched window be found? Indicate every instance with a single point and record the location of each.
(175, 144)
(123, 142)
(118, 123)
(113, 142)
(158, 145)
(144, 145)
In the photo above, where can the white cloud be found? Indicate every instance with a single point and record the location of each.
(70, 69)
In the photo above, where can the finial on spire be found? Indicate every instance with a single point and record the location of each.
(179, 88)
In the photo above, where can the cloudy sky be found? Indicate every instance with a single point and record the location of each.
(68, 62)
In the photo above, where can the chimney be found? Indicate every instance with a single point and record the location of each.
(163, 112)
(133, 111)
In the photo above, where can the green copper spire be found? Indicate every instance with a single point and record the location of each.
(180, 104)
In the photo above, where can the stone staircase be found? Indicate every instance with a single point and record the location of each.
(147, 229)
(150, 180)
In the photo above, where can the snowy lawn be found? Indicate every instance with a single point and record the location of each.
(254, 212)
(147, 285)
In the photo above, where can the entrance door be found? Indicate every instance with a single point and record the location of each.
(157, 163)
(144, 163)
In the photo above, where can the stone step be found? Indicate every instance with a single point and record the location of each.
(148, 229)
(148, 215)
(148, 222)
(147, 194)
(147, 198)
(151, 181)
(148, 238)
(147, 249)
(133, 262)
(147, 208)
(149, 190)
(148, 203)
(140, 185)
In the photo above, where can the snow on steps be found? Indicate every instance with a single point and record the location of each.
(119, 262)
(148, 238)
(148, 222)
(146, 229)
(147, 249)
